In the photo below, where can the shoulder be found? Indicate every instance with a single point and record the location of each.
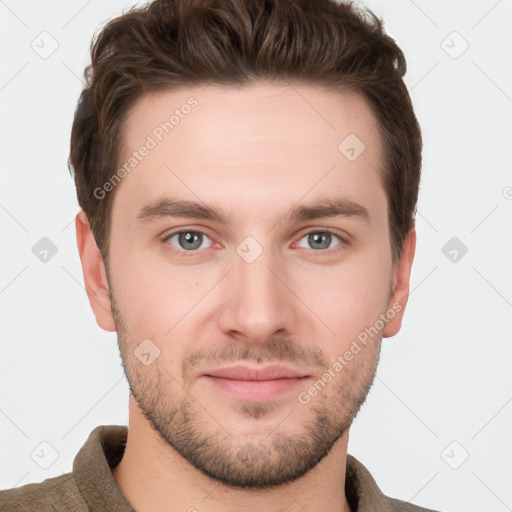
(364, 494)
(403, 506)
(53, 494)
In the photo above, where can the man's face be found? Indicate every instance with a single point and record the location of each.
(261, 286)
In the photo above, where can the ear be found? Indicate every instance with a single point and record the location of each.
(95, 277)
(400, 285)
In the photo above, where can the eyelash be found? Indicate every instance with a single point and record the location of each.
(343, 241)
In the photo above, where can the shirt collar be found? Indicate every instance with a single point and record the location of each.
(104, 449)
(92, 469)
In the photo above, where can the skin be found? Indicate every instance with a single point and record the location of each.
(256, 153)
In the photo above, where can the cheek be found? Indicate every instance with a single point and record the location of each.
(138, 288)
(348, 298)
(159, 299)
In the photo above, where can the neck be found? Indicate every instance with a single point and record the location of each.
(154, 477)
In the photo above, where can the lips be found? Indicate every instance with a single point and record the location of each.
(254, 384)
(243, 372)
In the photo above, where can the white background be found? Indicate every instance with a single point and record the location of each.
(446, 377)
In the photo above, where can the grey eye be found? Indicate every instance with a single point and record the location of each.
(319, 240)
(189, 240)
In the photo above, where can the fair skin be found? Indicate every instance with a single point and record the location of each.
(255, 153)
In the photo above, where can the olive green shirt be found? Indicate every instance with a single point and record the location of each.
(91, 487)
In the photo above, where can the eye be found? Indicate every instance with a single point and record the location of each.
(320, 240)
(188, 240)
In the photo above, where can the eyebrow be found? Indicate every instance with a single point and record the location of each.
(328, 207)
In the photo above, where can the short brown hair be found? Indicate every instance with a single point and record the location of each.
(174, 43)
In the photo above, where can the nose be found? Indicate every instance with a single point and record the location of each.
(256, 302)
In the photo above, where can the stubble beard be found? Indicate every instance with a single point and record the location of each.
(255, 459)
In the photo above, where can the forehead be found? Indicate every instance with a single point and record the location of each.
(253, 143)
(279, 112)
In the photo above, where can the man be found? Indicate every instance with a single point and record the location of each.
(248, 175)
